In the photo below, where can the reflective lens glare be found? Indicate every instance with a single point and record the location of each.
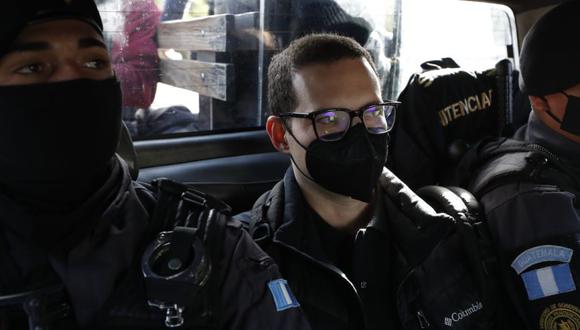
(374, 120)
(331, 125)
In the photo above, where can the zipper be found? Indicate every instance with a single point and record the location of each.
(546, 152)
(331, 269)
(532, 147)
(423, 322)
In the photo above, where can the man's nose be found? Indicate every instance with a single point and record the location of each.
(355, 121)
(65, 71)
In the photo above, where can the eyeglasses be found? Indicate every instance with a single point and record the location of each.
(332, 124)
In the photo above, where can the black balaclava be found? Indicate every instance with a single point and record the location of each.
(57, 140)
(350, 166)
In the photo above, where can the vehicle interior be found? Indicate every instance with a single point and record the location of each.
(205, 126)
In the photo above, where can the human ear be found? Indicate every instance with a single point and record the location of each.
(276, 131)
(539, 103)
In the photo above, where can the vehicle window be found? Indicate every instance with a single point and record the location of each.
(475, 35)
(199, 66)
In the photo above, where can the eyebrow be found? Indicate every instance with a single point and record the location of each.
(29, 47)
(91, 42)
(42, 45)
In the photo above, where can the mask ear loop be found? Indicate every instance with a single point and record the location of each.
(301, 145)
(550, 113)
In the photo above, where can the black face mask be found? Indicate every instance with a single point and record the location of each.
(57, 139)
(571, 121)
(350, 166)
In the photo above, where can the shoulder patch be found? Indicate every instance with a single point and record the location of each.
(539, 254)
(282, 295)
(548, 281)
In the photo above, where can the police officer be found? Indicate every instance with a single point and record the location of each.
(359, 249)
(529, 190)
(74, 226)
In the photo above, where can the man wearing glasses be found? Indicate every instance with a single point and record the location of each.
(351, 239)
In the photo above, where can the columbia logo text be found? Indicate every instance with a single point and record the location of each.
(460, 315)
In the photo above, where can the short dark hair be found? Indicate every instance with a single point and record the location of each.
(310, 49)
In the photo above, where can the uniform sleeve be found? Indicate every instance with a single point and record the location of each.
(254, 294)
(535, 228)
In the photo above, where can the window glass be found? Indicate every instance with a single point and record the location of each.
(199, 66)
(475, 35)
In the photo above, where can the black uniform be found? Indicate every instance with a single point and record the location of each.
(530, 201)
(529, 186)
(101, 270)
(402, 271)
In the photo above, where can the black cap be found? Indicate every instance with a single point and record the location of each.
(550, 57)
(317, 16)
(17, 14)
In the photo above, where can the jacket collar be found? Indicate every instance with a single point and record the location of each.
(297, 228)
(538, 132)
(412, 223)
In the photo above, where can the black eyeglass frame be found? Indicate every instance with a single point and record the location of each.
(352, 113)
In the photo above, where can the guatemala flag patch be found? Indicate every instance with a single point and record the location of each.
(283, 297)
(548, 281)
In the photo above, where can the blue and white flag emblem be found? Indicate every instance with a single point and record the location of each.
(548, 281)
(283, 297)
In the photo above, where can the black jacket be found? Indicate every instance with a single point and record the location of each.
(532, 208)
(409, 269)
(103, 283)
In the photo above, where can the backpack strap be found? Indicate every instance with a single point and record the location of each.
(171, 196)
(266, 215)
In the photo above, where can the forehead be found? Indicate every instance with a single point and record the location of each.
(329, 84)
(57, 30)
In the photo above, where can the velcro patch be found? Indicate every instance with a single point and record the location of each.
(283, 297)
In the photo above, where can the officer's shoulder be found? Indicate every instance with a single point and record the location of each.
(520, 194)
(245, 251)
(146, 195)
